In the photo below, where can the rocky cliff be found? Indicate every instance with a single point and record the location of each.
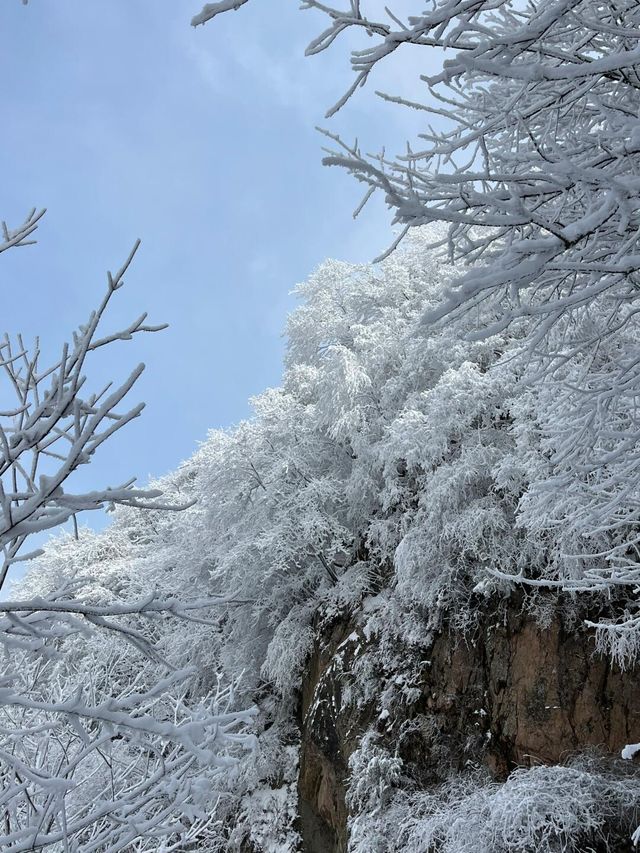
(513, 692)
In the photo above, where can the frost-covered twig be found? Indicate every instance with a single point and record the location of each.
(19, 236)
(210, 10)
(56, 426)
(59, 732)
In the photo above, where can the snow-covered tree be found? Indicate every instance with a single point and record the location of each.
(381, 482)
(405, 462)
(91, 754)
(530, 157)
(57, 425)
(535, 169)
(379, 436)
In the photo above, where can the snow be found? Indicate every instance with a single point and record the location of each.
(441, 433)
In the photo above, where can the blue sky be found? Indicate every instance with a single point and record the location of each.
(125, 122)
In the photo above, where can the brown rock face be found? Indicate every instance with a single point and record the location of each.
(330, 733)
(515, 694)
(550, 695)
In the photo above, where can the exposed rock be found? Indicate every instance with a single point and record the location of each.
(330, 732)
(513, 694)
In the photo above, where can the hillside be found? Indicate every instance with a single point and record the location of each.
(406, 605)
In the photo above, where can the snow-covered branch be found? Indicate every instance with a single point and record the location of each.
(210, 10)
(103, 764)
(56, 425)
(20, 236)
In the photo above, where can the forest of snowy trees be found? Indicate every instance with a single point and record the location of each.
(452, 453)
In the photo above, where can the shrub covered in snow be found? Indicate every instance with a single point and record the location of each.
(544, 809)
